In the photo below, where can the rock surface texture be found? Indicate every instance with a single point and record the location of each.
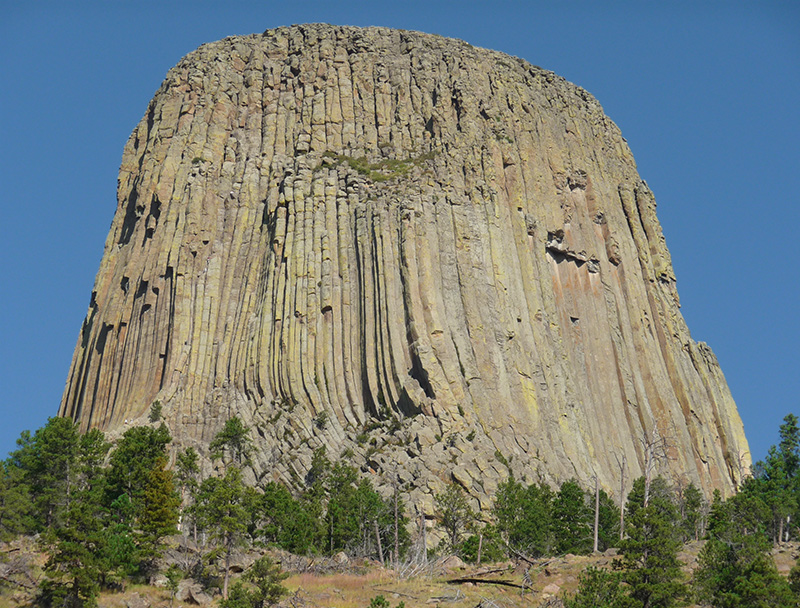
(429, 257)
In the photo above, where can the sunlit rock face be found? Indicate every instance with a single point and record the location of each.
(425, 256)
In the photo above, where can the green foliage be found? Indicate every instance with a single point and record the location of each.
(794, 579)
(221, 509)
(524, 517)
(741, 575)
(234, 438)
(776, 481)
(321, 420)
(649, 553)
(692, 507)
(120, 556)
(174, 576)
(454, 516)
(379, 601)
(598, 588)
(287, 523)
(155, 412)
(608, 533)
(380, 171)
(16, 505)
(76, 566)
(572, 519)
(266, 577)
(187, 473)
(735, 567)
(238, 597)
(159, 512)
(137, 453)
(49, 462)
(490, 543)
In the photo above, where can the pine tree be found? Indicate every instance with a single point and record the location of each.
(15, 502)
(572, 519)
(609, 522)
(524, 517)
(220, 509)
(235, 440)
(266, 577)
(455, 516)
(76, 567)
(777, 480)
(735, 568)
(48, 460)
(693, 505)
(598, 589)
(136, 454)
(187, 473)
(287, 522)
(159, 512)
(649, 553)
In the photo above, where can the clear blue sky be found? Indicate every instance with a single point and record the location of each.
(706, 94)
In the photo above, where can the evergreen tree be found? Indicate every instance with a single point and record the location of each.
(777, 480)
(120, 555)
(140, 450)
(187, 473)
(572, 519)
(174, 577)
(266, 577)
(15, 502)
(220, 509)
(524, 517)
(48, 460)
(235, 440)
(598, 589)
(649, 553)
(735, 568)
(342, 513)
(155, 412)
(692, 507)
(76, 566)
(609, 523)
(159, 512)
(287, 523)
(455, 516)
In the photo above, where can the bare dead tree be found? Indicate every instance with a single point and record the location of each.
(396, 521)
(596, 513)
(621, 465)
(378, 540)
(655, 451)
(742, 469)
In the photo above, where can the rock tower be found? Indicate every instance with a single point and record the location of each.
(425, 256)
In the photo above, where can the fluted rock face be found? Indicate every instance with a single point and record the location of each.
(420, 254)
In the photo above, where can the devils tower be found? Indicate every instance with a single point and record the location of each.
(430, 258)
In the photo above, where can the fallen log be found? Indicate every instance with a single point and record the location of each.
(484, 581)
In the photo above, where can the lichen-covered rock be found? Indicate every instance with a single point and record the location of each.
(434, 258)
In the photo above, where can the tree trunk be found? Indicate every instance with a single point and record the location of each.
(396, 524)
(596, 513)
(480, 547)
(622, 498)
(227, 570)
(378, 540)
(424, 538)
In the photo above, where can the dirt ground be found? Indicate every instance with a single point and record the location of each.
(447, 583)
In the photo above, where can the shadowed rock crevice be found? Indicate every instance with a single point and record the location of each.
(403, 246)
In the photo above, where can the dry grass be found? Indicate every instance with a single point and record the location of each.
(357, 586)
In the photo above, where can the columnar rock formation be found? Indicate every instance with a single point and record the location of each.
(420, 254)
